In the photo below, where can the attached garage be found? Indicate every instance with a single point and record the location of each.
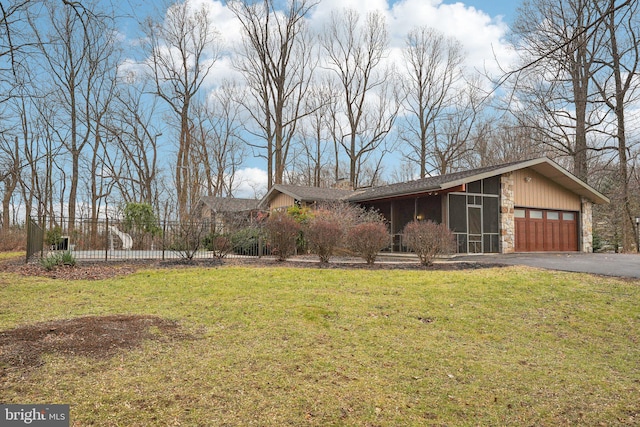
(538, 230)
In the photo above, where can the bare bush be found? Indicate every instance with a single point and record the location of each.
(428, 240)
(12, 239)
(368, 238)
(187, 238)
(282, 232)
(219, 244)
(324, 234)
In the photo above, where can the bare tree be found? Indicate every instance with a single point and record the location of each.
(277, 61)
(218, 131)
(616, 79)
(453, 141)
(133, 160)
(502, 140)
(13, 79)
(314, 162)
(10, 160)
(76, 49)
(434, 65)
(370, 99)
(557, 42)
(182, 49)
(404, 172)
(13, 42)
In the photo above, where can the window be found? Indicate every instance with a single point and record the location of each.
(568, 216)
(518, 213)
(553, 216)
(535, 214)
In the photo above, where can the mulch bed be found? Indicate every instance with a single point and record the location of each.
(98, 270)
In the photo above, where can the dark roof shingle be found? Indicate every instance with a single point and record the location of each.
(230, 204)
(431, 183)
(313, 193)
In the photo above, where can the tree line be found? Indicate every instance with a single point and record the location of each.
(87, 125)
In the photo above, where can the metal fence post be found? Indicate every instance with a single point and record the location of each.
(26, 261)
(42, 226)
(106, 241)
(164, 234)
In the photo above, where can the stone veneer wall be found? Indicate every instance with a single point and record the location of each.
(507, 218)
(586, 225)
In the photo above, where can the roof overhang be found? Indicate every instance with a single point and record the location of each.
(548, 169)
(543, 166)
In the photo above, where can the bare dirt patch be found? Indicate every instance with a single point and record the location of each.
(92, 336)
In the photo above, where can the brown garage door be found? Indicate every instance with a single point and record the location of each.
(540, 230)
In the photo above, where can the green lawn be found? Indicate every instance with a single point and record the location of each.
(290, 346)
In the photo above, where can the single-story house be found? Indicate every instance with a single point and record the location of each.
(525, 206)
(282, 196)
(226, 212)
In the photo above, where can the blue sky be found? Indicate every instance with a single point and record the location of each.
(507, 8)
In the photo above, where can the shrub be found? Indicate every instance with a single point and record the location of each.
(139, 221)
(58, 259)
(246, 241)
(368, 238)
(324, 233)
(302, 215)
(53, 237)
(219, 244)
(282, 232)
(188, 238)
(13, 239)
(428, 239)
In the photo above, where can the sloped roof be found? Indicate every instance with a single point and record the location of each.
(230, 204)
(543, 166)
(306, 194)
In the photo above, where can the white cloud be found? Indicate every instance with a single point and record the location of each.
(481, 35)
(322, 13)
(222, 70)
(250, 183)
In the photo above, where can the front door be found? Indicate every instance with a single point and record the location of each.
(474, 214)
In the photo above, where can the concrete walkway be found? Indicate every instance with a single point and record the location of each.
(620, 265)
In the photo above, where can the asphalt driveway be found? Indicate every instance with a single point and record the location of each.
(620, 265)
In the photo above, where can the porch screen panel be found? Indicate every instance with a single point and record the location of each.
(403, 213)
(458, 213)
(430, 208)
(491, 185)
(490, 209)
